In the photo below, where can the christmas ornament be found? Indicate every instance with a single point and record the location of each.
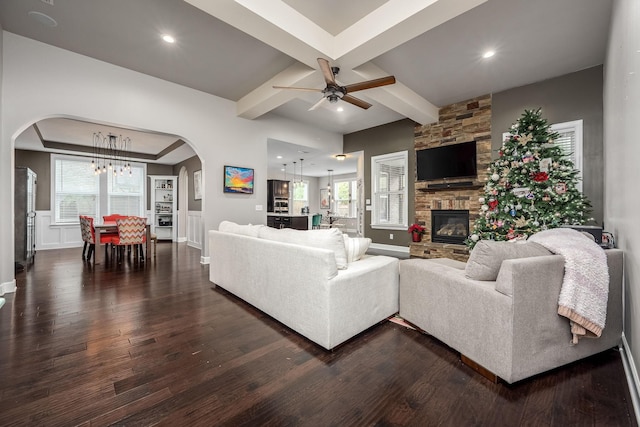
(540, 176)
(561, 188)
(495, 177)
(521, 222)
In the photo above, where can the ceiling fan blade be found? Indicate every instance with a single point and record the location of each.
(329, 78)
(369, 84)
(357, 102)
(307, 89)
(317, 104)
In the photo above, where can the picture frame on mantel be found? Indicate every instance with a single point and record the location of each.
(197, 185)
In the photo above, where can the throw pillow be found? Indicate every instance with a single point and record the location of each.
(487, 256)
(355, 247)
(245, 230)
(324, 239)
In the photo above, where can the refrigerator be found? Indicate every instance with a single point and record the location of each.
(25, 216)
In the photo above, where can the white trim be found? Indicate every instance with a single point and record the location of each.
(205, 260)
(631, 373)
(404, 156)
(8, 287)
(576, 127)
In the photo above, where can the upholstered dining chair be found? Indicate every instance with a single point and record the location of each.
(111, 218)
(316, 220)
(132, 231)
(88, 236)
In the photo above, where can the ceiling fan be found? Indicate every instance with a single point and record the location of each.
(333, 92)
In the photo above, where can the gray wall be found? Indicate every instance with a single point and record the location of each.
(40, 163)
(192, 164)
(570, 97)
(389, 138)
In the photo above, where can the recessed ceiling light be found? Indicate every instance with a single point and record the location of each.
(43, 19)
(339, 109)
(278, 157)
(340, 157)
(488, 54)
(168, 38)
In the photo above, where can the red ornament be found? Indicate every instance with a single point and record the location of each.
(540, 176)
(493, 204)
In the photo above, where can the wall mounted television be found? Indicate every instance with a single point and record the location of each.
(448, 161)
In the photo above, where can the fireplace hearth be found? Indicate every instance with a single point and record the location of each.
(449, 226)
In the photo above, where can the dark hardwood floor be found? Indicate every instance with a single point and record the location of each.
(156, 343)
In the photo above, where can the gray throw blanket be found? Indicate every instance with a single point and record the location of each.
(585, 288)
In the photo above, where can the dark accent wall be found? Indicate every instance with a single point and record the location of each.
(191, 165)
(389, 138)
(570, 97)
(40, 163)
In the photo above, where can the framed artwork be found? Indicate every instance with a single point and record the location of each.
(238, 180)
(197, 185)
(324, 198)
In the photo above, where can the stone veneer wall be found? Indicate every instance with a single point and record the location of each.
(457, 123)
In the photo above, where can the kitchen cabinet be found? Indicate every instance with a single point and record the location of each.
(278, 196)
(288, 221)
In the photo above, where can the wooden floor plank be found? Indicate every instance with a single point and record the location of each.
(157, 343)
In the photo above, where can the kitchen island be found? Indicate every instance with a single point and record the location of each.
(298, 222)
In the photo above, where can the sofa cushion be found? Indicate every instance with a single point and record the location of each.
(245, 230)
(355, 247)
(330, 238)
(487, 256)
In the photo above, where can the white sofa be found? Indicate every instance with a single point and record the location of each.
(304, 280)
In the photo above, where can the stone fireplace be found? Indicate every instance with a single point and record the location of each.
(457, 123)
(449, 226)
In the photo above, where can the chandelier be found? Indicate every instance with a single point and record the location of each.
(111, 154)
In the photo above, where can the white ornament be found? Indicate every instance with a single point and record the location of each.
(536, 223)
(481, 199)
(518, 206)
(475, 237)
(495, 177)
(484, 208)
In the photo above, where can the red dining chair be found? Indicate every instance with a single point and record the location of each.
(107, 236)
(132, 231)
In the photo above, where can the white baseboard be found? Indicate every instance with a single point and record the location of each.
(205, 260)
(390, 248)
(632, 375)
(181, 239)
(8, 287)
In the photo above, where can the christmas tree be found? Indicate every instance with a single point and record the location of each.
(530, 187)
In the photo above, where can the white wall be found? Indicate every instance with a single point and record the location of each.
(621, 154)
(41, 81)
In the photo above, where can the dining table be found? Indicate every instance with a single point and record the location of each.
(111, 227)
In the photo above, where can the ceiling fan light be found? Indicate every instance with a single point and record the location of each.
(341, 157)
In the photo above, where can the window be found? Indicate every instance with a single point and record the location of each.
(346, 198)
(570, 140)
(77, 190)
(300, 196)
(389, 191)
(126, 192)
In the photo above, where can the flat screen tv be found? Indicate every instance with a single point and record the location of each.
(448, 161)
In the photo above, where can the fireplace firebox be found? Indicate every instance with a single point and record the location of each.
(449, 226)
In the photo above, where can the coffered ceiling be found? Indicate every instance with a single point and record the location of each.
(239, 49)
